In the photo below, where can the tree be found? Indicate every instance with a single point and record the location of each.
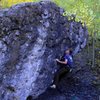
(87, 11)
(9, 3)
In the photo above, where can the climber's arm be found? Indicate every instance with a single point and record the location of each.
(62, 62)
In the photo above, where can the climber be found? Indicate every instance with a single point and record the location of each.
(66, 64)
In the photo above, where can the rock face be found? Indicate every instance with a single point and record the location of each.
(32, 35)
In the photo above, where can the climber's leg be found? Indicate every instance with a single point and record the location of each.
(64, 73)
(59, 75)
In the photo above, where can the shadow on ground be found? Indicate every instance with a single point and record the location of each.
(77, 86)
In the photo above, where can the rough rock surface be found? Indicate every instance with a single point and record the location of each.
(32, 35)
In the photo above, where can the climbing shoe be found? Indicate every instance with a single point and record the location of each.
(53, 86)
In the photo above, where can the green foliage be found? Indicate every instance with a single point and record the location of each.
(9, 3)
(87, 11)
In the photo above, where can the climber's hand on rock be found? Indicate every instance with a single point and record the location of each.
(57, 60)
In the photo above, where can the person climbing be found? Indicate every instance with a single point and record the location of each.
(66, 64)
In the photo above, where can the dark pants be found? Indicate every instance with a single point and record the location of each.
(61, 72)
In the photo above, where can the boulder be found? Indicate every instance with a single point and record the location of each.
(32, 35)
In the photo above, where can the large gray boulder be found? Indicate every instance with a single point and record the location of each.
(32, 35)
